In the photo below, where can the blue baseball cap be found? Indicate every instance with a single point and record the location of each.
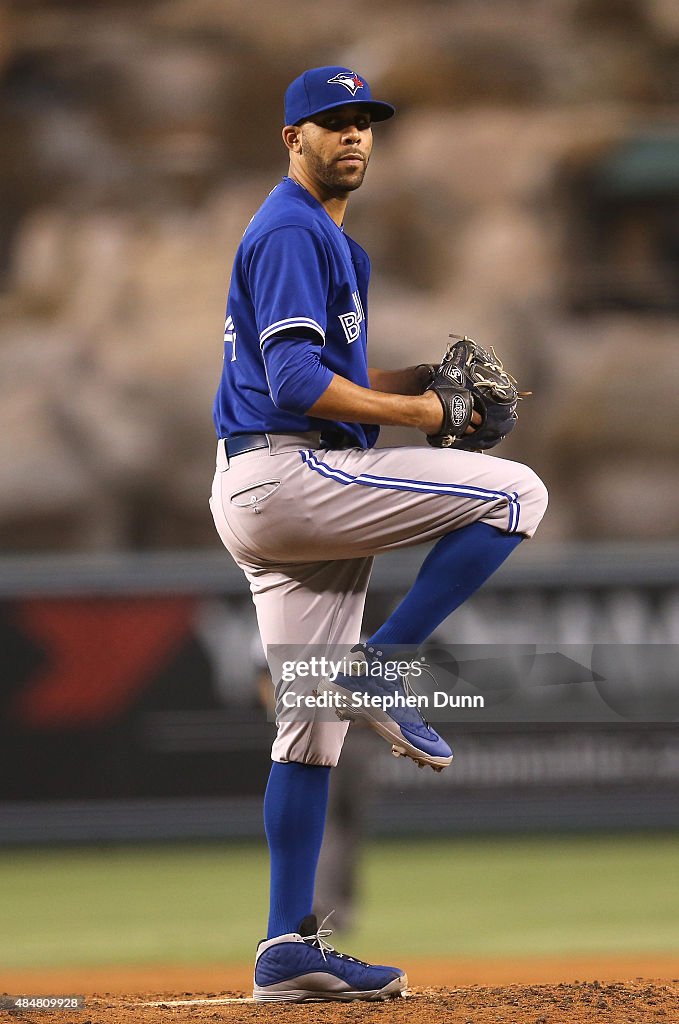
(322, 89)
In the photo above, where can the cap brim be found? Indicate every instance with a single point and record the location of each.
(378, 110)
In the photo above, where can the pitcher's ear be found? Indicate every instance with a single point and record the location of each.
(292, 137)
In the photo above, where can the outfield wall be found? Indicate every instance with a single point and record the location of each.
(132, 696)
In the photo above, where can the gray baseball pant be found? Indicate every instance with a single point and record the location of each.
(304, 523)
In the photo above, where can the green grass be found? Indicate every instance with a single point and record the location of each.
(525, 897)
(207, 903)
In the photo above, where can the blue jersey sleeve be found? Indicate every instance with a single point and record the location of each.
(289, 275)
(294, 372)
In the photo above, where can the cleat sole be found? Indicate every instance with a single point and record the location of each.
(419, 761)
(394, 990)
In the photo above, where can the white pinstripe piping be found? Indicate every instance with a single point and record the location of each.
(293, 321)
(425, 486)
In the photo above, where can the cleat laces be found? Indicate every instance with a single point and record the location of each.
(319, 942)
(411, 717)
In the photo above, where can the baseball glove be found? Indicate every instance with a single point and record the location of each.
(471, 379)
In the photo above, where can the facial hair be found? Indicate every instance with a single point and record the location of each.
(333, 176)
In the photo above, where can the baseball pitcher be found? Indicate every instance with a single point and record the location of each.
(303, 500)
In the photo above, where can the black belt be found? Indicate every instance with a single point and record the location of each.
(241, 443)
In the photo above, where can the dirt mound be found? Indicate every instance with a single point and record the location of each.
(635, 1002)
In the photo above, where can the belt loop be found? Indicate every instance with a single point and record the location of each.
(222, 455)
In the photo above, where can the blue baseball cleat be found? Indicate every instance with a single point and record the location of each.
(367, 698)
(302, 966)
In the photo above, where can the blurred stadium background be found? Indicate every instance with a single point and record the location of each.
(527, 194)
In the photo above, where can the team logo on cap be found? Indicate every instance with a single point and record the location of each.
(350, 81)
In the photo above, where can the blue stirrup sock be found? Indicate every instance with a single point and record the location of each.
(296, 796)
(456, 566)
(295, 804)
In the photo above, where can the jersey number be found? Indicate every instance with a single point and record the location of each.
(230, 337)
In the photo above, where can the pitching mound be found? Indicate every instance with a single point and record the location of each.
(640, 1002)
